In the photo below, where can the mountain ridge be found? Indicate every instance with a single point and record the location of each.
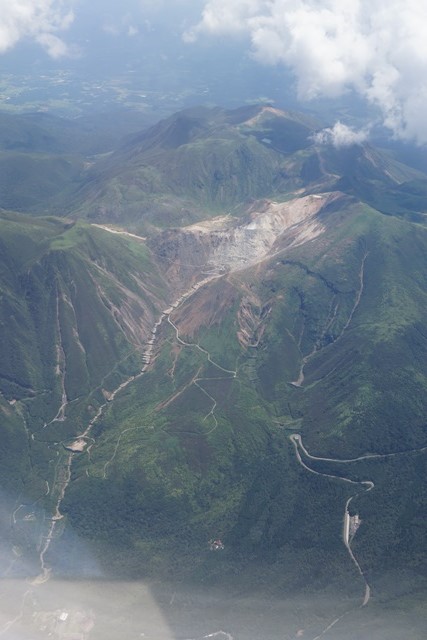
(155, 363)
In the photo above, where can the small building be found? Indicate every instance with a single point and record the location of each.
(216, 545)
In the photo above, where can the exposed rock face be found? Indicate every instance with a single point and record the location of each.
(78, 446)
(221, 245)
(252, 319)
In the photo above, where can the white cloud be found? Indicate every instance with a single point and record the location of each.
(132, 31)
(225, 17)
(38, 20)
(377, 48)
(121, 26)
(340, 136)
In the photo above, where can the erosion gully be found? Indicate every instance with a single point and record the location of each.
(62, 479)
(63, 469)
(62, 476)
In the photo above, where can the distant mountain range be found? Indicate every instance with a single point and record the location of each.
(172, 311)
(209, 158)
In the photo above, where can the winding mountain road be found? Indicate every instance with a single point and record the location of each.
(366, 456)
(366, 486)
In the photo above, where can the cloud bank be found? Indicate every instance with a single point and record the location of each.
(340, 136)
(377, 48)
(37, 20)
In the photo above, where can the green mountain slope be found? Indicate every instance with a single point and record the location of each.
(200, 158)
(44, 159)
(197, 162)
(77, 305)
(326, 340)
(204, 161)
(30, 182)
(253, 370)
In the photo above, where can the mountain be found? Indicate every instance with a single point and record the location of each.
(235, 399)
(199, 158)
(195, 163)
(204, 161)
(76, 310)
(44, 159)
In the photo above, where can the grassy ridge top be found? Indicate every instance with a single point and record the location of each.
(197, 163)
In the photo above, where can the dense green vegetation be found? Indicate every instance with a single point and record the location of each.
(240, 479)
(63, 337)
(324, 337)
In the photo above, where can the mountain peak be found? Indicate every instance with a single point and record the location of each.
(266, 112)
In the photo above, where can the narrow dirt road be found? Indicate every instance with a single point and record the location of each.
(366, 485)
(329, 321)
(64, 465)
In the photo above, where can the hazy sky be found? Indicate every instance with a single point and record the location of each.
(376, 48)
